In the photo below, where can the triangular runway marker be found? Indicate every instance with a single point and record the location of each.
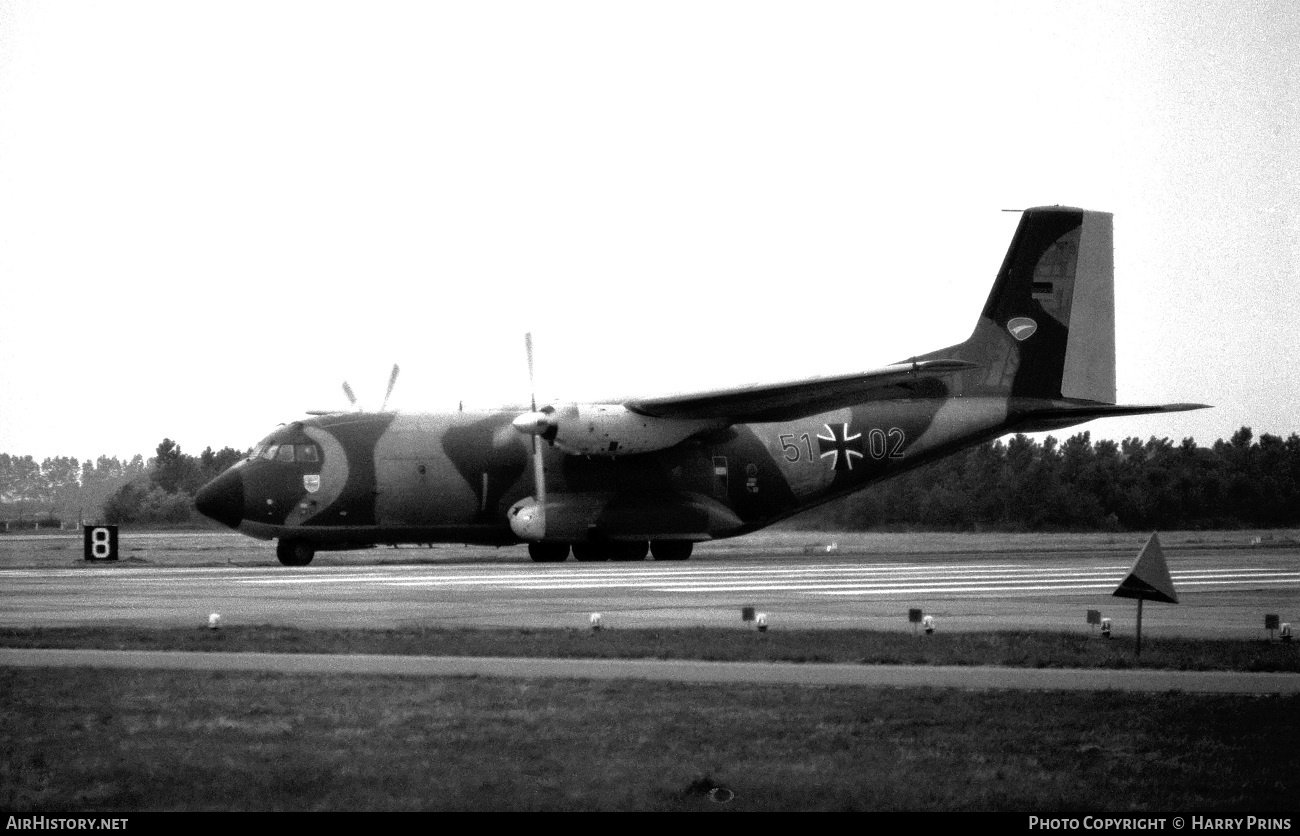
(1149, 578)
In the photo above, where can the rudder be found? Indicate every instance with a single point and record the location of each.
(1048, 327)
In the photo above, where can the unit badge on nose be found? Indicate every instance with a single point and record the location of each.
(311, 482)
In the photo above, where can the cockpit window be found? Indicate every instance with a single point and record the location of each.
(301, 452)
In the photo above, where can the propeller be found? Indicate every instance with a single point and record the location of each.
(528, 516)
(541, 424)
(392, 381)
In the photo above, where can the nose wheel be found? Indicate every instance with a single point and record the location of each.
(294, 552)
(548, 552)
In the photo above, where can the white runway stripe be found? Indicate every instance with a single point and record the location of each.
(832, 579)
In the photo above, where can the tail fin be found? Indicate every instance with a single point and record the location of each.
(1048, 327)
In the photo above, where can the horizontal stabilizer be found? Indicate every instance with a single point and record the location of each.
(1056, 416)
(789, 401)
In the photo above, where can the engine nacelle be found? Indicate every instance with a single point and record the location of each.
(528, 519)
(609, 429)
(577, 517)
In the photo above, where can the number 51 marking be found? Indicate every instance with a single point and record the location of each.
(788, 445)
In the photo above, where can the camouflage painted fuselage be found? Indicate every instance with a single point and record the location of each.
(429, 478)
(715, 465)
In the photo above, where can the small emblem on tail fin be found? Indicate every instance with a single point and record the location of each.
(1022, 327)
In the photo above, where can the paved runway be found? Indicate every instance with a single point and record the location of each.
(1225, 592)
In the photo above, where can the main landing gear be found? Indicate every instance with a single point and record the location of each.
(294, 552)
(610, 550)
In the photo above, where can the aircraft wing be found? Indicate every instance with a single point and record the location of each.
(788, 401)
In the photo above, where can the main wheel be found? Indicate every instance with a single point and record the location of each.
(671, 549)
(549, 552)
(591, 552)
(629, 551)
(294, 552)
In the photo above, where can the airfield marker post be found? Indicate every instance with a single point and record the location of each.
(1271, 622)
(1138, 651)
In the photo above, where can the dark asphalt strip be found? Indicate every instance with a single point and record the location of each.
(758, 673)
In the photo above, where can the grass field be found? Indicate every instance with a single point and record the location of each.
(83, 739)
(123, 741)
(113, 740)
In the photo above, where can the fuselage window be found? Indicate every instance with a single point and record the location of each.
(285, 454)
(308, 453)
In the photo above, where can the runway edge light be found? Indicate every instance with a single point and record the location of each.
(761, 620)
(214, 621)
(596, 621)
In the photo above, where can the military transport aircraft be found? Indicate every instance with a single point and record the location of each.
(618, 480)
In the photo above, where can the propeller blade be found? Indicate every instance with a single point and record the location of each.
(347, 390)
(539, 473)
(392, 381)
(532, 387)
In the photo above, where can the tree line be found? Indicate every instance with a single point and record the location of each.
(61, 490)
(1021, 484)
(1017, 484)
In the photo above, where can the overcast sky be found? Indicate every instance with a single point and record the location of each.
(211, 214)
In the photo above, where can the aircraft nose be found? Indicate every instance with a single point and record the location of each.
(222, 499)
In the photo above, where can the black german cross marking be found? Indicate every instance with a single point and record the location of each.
(840, 446)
